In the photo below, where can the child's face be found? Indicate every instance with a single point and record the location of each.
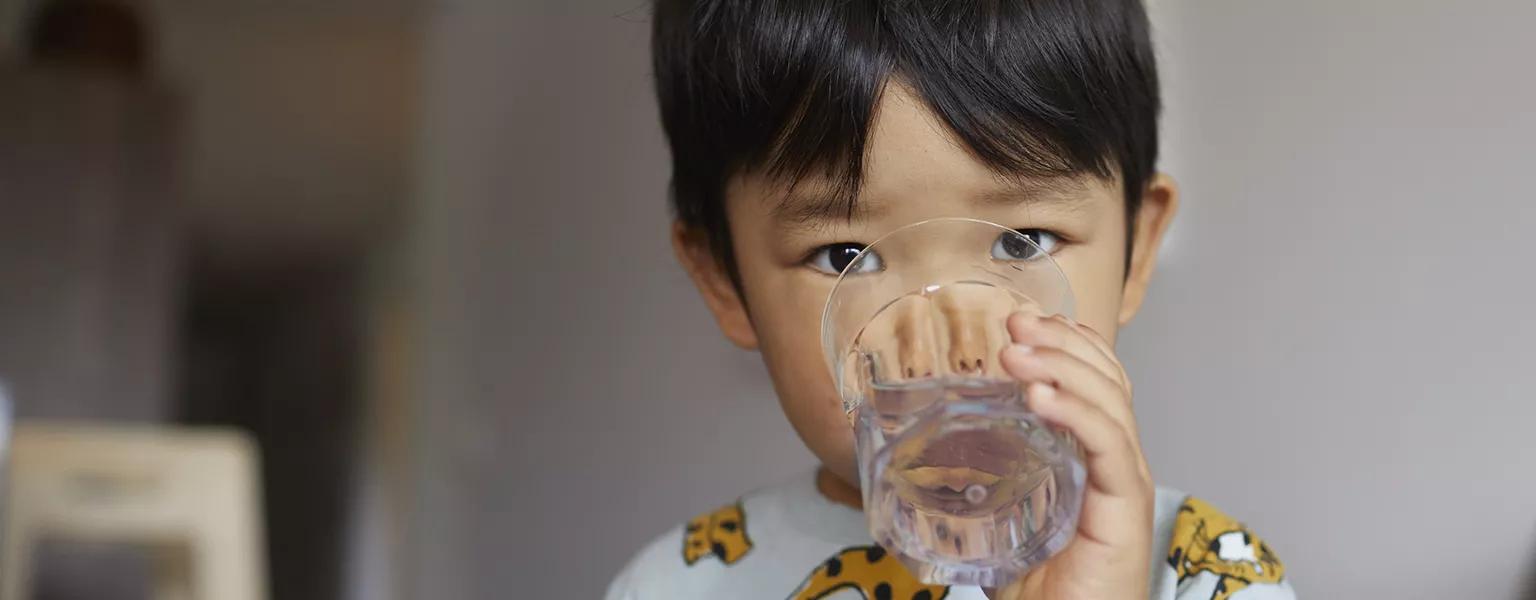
(915, 171)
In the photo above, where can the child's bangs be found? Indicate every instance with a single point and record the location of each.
(1002, 96)
(823, 144)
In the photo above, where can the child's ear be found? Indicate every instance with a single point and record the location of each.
(692, 249)
(1158, 205)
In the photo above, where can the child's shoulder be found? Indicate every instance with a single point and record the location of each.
(690, 559)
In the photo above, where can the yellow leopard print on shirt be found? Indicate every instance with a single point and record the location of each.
(868, 569)
(1207, 541)
(721, 533)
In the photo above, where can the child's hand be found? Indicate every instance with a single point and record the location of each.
(1073, 381)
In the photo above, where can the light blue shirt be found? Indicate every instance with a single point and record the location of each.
(790, 542)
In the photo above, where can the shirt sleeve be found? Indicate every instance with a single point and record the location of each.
(653, 572)
(1214, 557)
(621, 588)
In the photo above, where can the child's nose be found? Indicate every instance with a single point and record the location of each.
(915, 340)
(953, 332)
(973, 322)
(967, 341)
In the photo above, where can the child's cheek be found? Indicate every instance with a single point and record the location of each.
(806, 392)
(1097, 278)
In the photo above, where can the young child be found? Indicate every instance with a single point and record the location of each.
(800, 131)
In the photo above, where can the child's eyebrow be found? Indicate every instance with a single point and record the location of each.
(801, 207)
(1060, 193)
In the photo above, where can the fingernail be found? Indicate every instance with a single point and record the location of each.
(1022, 348)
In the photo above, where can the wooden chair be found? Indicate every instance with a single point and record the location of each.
(190, 496)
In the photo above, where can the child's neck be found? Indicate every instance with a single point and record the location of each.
(837, 490)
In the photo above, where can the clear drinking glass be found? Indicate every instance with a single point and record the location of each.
(960, 480)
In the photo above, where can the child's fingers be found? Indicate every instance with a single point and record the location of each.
(1058, 332)
(1071, 375)
(1100, 342)
(1113, 460)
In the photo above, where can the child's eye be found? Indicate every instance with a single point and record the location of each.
(1010, 247)
(833, 258)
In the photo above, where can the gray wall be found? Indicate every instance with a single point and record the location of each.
(1338, 344)
(1330, 351)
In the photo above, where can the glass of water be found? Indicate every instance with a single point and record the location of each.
(960, 481)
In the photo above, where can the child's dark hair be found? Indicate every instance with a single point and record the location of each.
(789, 88)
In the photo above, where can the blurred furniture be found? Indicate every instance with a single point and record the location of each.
(189, 496)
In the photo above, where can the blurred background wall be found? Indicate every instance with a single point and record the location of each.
(420, 252)
(1337, 344)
